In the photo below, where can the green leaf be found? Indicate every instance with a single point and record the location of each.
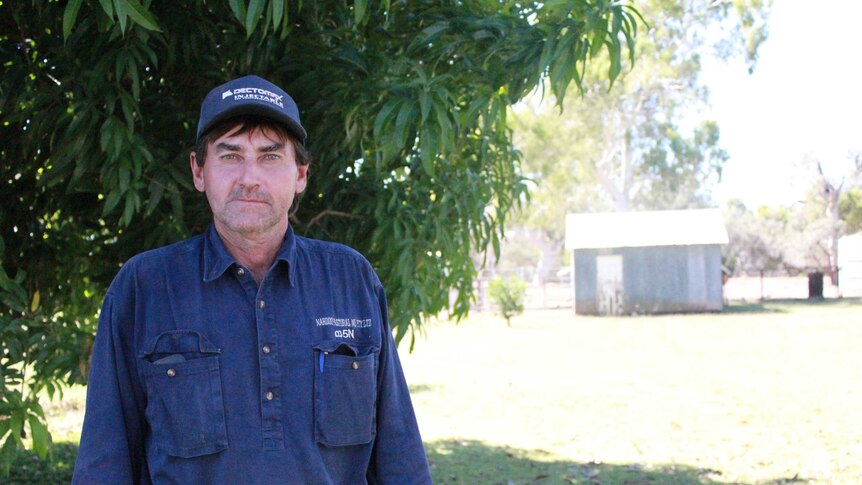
(349, 55)
(7, 455)
(132, 70)
(428, 35)
(277, 7)
(16, 425)
(111, 202)
(238, 8)
(615, 68)
(125, 176)
(597, 42)
(383, 115)
(157, 190)
(359, 10)
(105, 134)
(129, 209)
(40, 435)
(424, 104)
(141, 15)
(69, 16)
(122, 13)
(403, 121)
(107, 7)
(34, 303)
(428, 150)
(255, 9)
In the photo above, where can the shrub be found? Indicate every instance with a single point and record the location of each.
(508, 296)
(27, 468)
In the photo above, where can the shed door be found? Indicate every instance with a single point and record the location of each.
(609, 281)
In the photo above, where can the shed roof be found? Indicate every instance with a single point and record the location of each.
(644, 229)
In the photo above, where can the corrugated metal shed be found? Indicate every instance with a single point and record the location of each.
(646, 262)
(850, 265)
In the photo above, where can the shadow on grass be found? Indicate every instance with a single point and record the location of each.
(474, 462)
(417, 388)
(453, 462)
(787, 305)
(745, 307)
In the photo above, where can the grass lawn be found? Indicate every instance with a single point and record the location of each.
(760, 394)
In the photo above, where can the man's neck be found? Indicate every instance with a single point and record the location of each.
(253, 251)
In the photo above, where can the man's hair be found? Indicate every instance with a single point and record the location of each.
(248, 123)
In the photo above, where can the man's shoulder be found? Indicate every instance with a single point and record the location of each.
(157, 259)
(331, 249)
(169, 253)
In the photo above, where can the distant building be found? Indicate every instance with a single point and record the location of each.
(646, 262)
(850, 265)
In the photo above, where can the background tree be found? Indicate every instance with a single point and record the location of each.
(641, 144)
(755, 239)
(406, 103)
(850, 202)
(799, 238)
(850, 209)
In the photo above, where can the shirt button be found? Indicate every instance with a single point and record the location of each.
(266, 349)
(171, 372)
(270, 396)
(262, 304)
(240, 271)
(355, 365)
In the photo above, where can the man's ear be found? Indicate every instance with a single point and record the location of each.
(301, 177)
(197, 172)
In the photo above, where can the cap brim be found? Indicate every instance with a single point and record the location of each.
(263, 110)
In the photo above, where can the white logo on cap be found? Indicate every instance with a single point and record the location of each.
(256, 94)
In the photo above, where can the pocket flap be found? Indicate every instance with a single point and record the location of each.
(179, 342)
(340, 347)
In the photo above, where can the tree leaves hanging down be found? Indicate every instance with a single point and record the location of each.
(406, 106)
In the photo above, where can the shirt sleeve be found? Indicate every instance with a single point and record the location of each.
(112, 449)
(398, 456)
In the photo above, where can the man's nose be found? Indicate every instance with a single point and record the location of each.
(250, 175)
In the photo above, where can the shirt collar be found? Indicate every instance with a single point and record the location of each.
(217, 259)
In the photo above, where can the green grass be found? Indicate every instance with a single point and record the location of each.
(762, 394)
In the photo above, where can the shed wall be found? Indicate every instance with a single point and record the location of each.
(660, 279)
(850, 265)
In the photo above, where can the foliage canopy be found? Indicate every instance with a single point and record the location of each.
(405, 103)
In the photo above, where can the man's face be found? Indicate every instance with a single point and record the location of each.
(250, 180)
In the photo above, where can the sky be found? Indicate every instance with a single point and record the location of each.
(803, 102)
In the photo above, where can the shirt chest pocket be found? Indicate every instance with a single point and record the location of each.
(185, 408)
(345, 393)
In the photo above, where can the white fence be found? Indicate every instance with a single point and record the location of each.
(556, 291)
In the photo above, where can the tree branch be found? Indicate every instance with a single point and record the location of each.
(320, 215)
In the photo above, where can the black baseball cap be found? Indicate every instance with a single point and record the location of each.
(250, 95)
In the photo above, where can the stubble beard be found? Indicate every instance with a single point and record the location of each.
(250, 219)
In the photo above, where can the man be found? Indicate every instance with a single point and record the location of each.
(248, 355)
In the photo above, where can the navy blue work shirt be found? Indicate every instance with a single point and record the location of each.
(201, 376)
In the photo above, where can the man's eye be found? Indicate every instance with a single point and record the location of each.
(229, 156)
(272, 156)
